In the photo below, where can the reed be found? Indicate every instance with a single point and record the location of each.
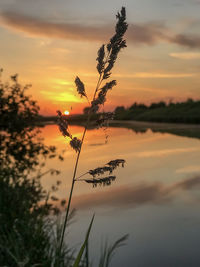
(106, 58)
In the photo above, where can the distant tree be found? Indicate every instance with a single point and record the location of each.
(135, 105)
(119, 110)
(138, 106)
(143, 106)
(161, 104)
(190, 101)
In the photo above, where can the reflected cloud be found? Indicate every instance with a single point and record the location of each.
(130, 195)
(174, 129)
(97, 144)
(188, 183)
(165, 152)
(189, 169)
(134, 195)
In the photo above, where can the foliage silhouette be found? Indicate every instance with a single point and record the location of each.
(25, 234)
(106, 58)
(29, 235)
(180, 112)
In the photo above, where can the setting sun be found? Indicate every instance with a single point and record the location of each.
(66, 112)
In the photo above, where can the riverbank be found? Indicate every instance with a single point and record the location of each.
(153, 125)
(179, 129)
(187, 112)
(81, 118)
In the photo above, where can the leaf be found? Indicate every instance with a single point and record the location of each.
(79, 256)
(108, 251)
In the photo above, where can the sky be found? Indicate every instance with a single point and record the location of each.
(48, 43)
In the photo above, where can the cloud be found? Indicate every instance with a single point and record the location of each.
(61, 96)
(151, 75)
(36, 27)
(146, 75)
(186, 55)
(191, 41)
(149, 33)
(145, 33)
(197, 2)
(188, 183)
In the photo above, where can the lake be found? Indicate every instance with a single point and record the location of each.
(155, 197)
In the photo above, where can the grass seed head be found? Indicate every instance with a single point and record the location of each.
(100, 59)
(105, 181)
(76, 144)
(63, 124)
(116, 163)
(80, 87)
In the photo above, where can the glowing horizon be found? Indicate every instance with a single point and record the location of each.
(49, 49)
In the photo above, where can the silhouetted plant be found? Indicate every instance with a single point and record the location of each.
(28, 237)
(25, 232)
(107, 55)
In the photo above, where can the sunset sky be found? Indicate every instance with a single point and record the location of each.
(49, 42)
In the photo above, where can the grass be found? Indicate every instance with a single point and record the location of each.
(107, 55)
(32, 232)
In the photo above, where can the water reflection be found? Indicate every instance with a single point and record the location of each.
(191, 131)
(133, 195)
(155, 198)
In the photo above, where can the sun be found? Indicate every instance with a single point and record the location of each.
(66, 112)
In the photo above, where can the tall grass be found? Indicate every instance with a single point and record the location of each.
(31, 233)
(106, 58)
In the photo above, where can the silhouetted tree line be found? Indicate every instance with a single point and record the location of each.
(184, 112)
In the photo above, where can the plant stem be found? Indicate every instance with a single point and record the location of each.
(75, 170)
(98, 84)
(78, 178)
(71, 191)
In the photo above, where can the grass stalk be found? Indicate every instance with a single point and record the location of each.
(104, 66)
(75, 171)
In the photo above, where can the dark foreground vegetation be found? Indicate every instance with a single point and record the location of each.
(30, 221)
(29, 228)
(182, 112)
(31, 231)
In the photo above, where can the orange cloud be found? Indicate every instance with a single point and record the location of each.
(61, 97)
(37, 27)
(145, 33)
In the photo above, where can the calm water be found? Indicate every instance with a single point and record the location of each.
(155, 198)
